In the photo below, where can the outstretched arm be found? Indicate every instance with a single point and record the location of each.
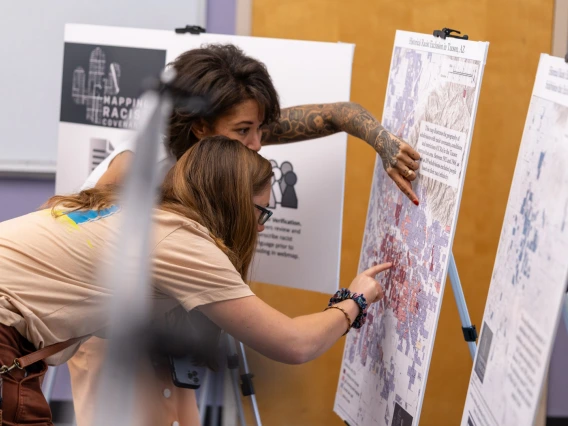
(291, 340)
(305, 122)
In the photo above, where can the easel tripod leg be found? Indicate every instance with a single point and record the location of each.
(204, 393)
(247, 384)
(215, 393)
(233, 364)
(469, 331)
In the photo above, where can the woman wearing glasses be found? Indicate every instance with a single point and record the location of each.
(202, 248)
(243, 105)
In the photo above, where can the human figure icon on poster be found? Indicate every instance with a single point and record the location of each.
(276, 193)
(283, 181)
(289, 198)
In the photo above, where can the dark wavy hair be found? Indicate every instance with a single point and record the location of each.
(223, 76)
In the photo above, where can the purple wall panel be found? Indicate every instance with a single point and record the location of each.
(21, 196)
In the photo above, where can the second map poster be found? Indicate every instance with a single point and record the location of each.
(431, 101)
(528, 283)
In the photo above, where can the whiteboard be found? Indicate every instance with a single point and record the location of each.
(32, 58)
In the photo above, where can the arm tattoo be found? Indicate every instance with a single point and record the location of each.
(387, 147)
(300, 123)
(315, 121)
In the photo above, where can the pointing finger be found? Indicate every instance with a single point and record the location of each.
(374, 270)
(404, 185)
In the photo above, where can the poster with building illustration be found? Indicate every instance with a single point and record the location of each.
(104, 70)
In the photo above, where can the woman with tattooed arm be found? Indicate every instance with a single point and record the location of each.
(243, 105)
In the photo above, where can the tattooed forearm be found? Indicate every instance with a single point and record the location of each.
(314, 121)
(300, 123)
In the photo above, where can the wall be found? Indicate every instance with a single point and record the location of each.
(303, 395)
(221, 16)
(20, 196)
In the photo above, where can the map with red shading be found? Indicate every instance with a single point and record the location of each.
(430, 102)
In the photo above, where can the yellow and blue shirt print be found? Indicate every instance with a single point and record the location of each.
(78, 217)
(81, 216)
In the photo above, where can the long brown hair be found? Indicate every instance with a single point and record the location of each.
(224, 77)
(98, 198)
(212, 183)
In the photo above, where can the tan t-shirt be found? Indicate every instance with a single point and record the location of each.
(49, 289)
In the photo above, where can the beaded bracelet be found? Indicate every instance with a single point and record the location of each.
(346, 317)
(344, 294)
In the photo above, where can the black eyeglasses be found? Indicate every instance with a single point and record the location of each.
(264, 214)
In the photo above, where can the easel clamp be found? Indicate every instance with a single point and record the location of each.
(447, 32)
(192, 29)
(470, 333)
(246, 379)
(246, 385)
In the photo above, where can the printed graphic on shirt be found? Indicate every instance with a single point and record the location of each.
(80, 217)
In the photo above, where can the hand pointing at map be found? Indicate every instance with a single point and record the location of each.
(365, 283)
(400, 161)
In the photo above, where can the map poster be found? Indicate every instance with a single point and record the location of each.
(431, 100)
(529, 277)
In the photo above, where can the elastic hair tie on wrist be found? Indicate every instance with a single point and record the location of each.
(344, 294)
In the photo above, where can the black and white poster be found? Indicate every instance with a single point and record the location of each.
(102, 79)
(100, 104)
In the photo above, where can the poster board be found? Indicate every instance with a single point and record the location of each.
(528, 283)
(431, 101)
(300, 247)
